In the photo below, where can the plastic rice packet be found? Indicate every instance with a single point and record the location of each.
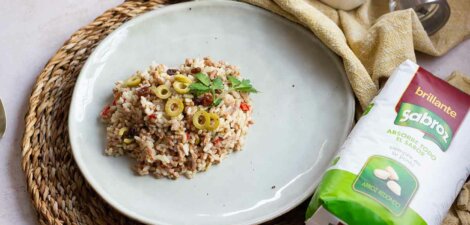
(406, 159)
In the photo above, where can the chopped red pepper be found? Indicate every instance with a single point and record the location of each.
(105, 112)
(217, 141)
(152, 116)
(244, 106)
(187, 136)
(116, 98)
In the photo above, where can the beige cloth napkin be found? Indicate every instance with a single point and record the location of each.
(372, 42)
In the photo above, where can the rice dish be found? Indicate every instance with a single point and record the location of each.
(181, 121)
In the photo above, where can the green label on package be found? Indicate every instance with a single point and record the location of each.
(387, 182)
(433, 126)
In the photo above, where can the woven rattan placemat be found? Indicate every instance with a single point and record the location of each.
(58, 190)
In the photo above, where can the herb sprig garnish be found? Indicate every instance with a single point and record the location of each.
(241, 86)
(205, 85)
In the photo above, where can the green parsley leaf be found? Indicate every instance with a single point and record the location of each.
(203, 78)
(217, 101)
(247, 89)
(234, 81)
(217, 84)
(199, 87)
(245, 82)
(204, 85)
(242, 86)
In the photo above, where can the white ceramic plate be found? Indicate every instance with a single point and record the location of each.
(302, 115)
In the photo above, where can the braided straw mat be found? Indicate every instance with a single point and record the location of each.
(58, 190)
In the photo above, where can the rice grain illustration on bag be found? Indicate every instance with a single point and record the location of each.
(406, 159)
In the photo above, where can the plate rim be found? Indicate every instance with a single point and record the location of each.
(294, 202)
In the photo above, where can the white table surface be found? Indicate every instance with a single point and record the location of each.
(30, 32)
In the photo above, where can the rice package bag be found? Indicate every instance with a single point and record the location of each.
(406, 159)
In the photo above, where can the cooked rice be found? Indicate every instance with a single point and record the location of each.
(172, 146)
